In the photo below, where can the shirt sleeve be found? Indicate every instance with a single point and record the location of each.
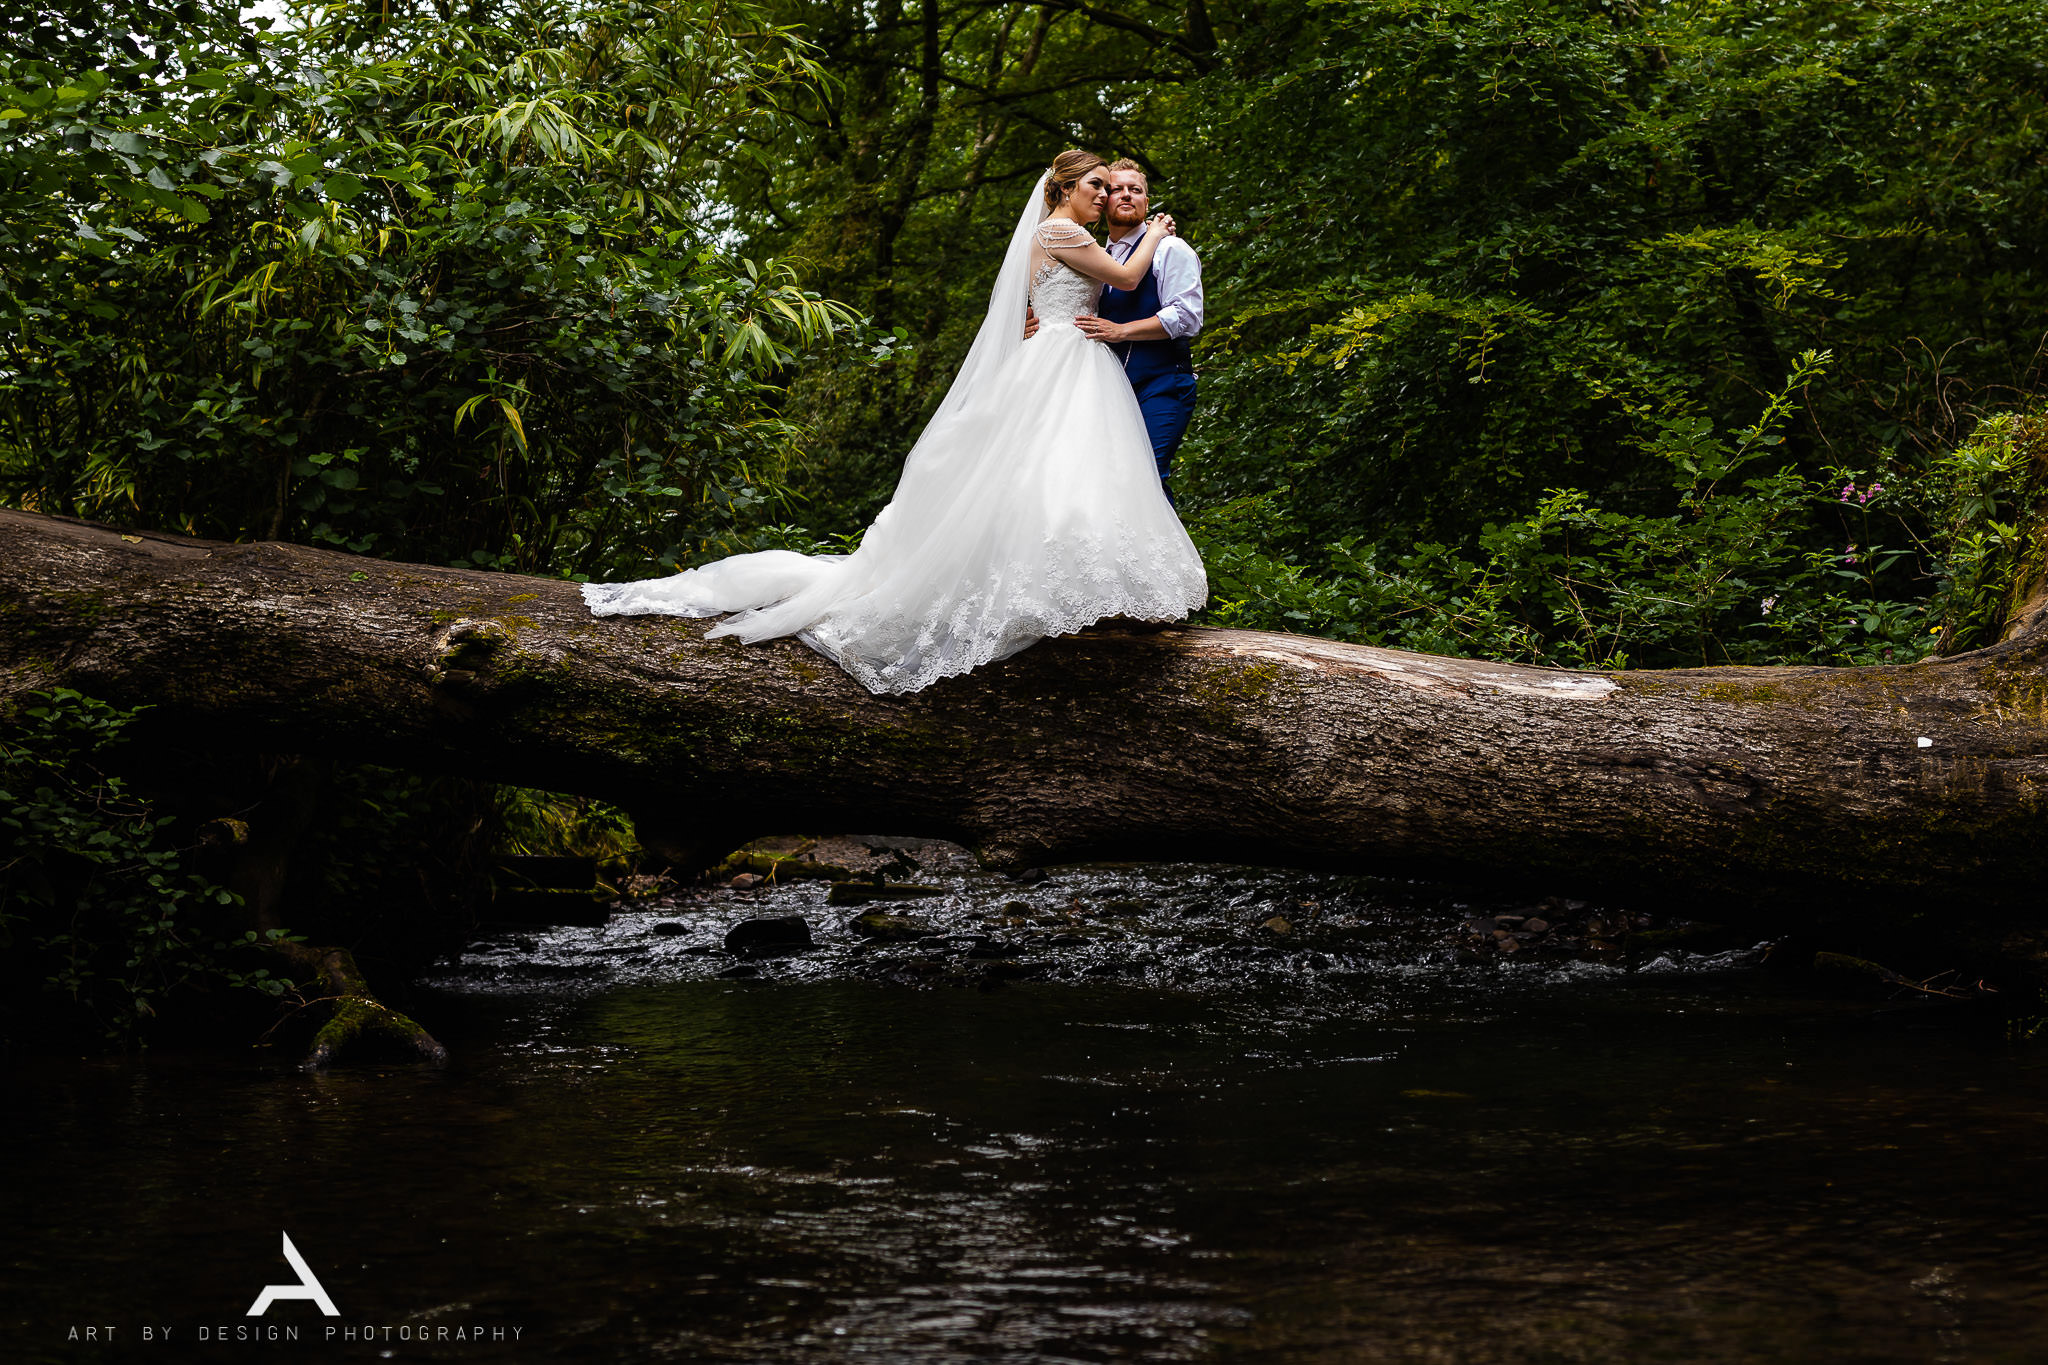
(1178, 271)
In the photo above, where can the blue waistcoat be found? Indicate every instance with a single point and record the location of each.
(1144, 360)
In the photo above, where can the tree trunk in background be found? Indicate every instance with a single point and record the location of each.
(1791, 797)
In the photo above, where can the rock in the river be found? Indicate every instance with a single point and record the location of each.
(669, 929)
(746, 881)
(778, 936)
(1277, 925)
(884, 927)
(1535, 926)
(780, 867)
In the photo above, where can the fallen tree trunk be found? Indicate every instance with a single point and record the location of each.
(1913, 792)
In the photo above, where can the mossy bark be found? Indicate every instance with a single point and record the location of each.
(1790, 797)
(358, 1024)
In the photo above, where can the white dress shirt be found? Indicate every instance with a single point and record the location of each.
(1177, 271)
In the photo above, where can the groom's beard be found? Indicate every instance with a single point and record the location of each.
(1122, 221)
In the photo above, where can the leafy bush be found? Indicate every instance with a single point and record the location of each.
(1988, 499)
(96, 905)
(1728, 578)
(1488, 250)
(436, 288)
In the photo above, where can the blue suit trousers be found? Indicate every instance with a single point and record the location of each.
(1168, 402)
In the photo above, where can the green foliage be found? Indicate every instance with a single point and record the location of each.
(96, 906)
(1494, 248)
(439, 288)
(551, 824)
(1989, 495)
(1723, 580)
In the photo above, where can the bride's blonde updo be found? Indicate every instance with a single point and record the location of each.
(1065, 173)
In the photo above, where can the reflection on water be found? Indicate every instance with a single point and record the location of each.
(1179, 1136)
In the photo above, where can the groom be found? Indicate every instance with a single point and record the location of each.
(1148, 328)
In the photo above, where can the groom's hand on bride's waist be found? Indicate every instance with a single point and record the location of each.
(1030, 323)
(1100, 329)
(1111, 333)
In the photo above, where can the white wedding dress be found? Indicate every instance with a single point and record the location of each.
(1029, 507)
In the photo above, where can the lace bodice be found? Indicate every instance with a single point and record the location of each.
(1060, 293)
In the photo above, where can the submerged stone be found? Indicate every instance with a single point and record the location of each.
(777, 936)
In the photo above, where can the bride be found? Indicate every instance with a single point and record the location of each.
(1029, 506)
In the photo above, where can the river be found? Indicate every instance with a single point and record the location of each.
(1114, 1116)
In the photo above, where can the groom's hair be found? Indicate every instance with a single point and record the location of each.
(1124, 163)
